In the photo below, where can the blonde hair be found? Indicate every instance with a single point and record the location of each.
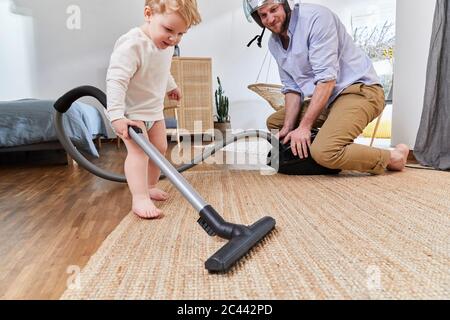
(187, 9)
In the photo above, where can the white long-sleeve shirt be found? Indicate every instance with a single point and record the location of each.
(138, 78)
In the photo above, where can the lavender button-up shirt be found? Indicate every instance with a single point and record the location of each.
(320, 50)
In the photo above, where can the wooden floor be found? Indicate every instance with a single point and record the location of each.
(53, 219)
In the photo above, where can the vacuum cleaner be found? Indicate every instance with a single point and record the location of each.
(241, 238)
(285, 162)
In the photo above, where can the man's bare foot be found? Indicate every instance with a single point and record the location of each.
(158, 195)
(144, 208)
(399, 156)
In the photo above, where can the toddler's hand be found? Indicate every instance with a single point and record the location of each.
(175, 94)
(121, 127)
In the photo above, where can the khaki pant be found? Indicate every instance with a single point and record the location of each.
(347, 117)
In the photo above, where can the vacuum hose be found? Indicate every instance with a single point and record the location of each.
(65, 102)
(241, 238)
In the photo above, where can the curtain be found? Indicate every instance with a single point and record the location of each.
(433, 140)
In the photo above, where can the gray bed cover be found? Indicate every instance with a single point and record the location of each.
(31, 121)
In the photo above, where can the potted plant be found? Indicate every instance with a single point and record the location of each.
(222, 122)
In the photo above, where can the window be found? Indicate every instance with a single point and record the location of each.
(372, 25)
(373, 29)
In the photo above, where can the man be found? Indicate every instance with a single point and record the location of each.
(317, 57)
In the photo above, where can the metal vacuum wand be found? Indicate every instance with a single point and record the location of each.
(241, 238)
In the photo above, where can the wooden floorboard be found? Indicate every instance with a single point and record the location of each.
(53, 217)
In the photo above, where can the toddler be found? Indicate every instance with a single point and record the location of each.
(138, 79)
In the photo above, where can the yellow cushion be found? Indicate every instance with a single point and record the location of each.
(384, 129)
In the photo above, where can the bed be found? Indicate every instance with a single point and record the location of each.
(27, 128)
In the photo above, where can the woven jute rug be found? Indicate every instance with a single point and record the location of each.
(351, 236)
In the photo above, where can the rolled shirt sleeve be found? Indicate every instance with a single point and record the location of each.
(289, 85)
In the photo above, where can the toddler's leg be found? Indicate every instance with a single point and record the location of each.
(136, 165)
(157, 136)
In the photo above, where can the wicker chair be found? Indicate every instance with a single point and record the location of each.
(272, 94)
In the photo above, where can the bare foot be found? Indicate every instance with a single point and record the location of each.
(158, 195)
(144, 208)
(399, 156)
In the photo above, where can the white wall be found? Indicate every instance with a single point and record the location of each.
(15, 72)
(414, 27)
(61, 58)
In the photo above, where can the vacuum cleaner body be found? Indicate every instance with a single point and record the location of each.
(284, 161)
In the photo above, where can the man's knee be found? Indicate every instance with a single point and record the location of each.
(274, 122)
(326, 156)
(270, 124)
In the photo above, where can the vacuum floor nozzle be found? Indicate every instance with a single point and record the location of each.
(243, 240)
